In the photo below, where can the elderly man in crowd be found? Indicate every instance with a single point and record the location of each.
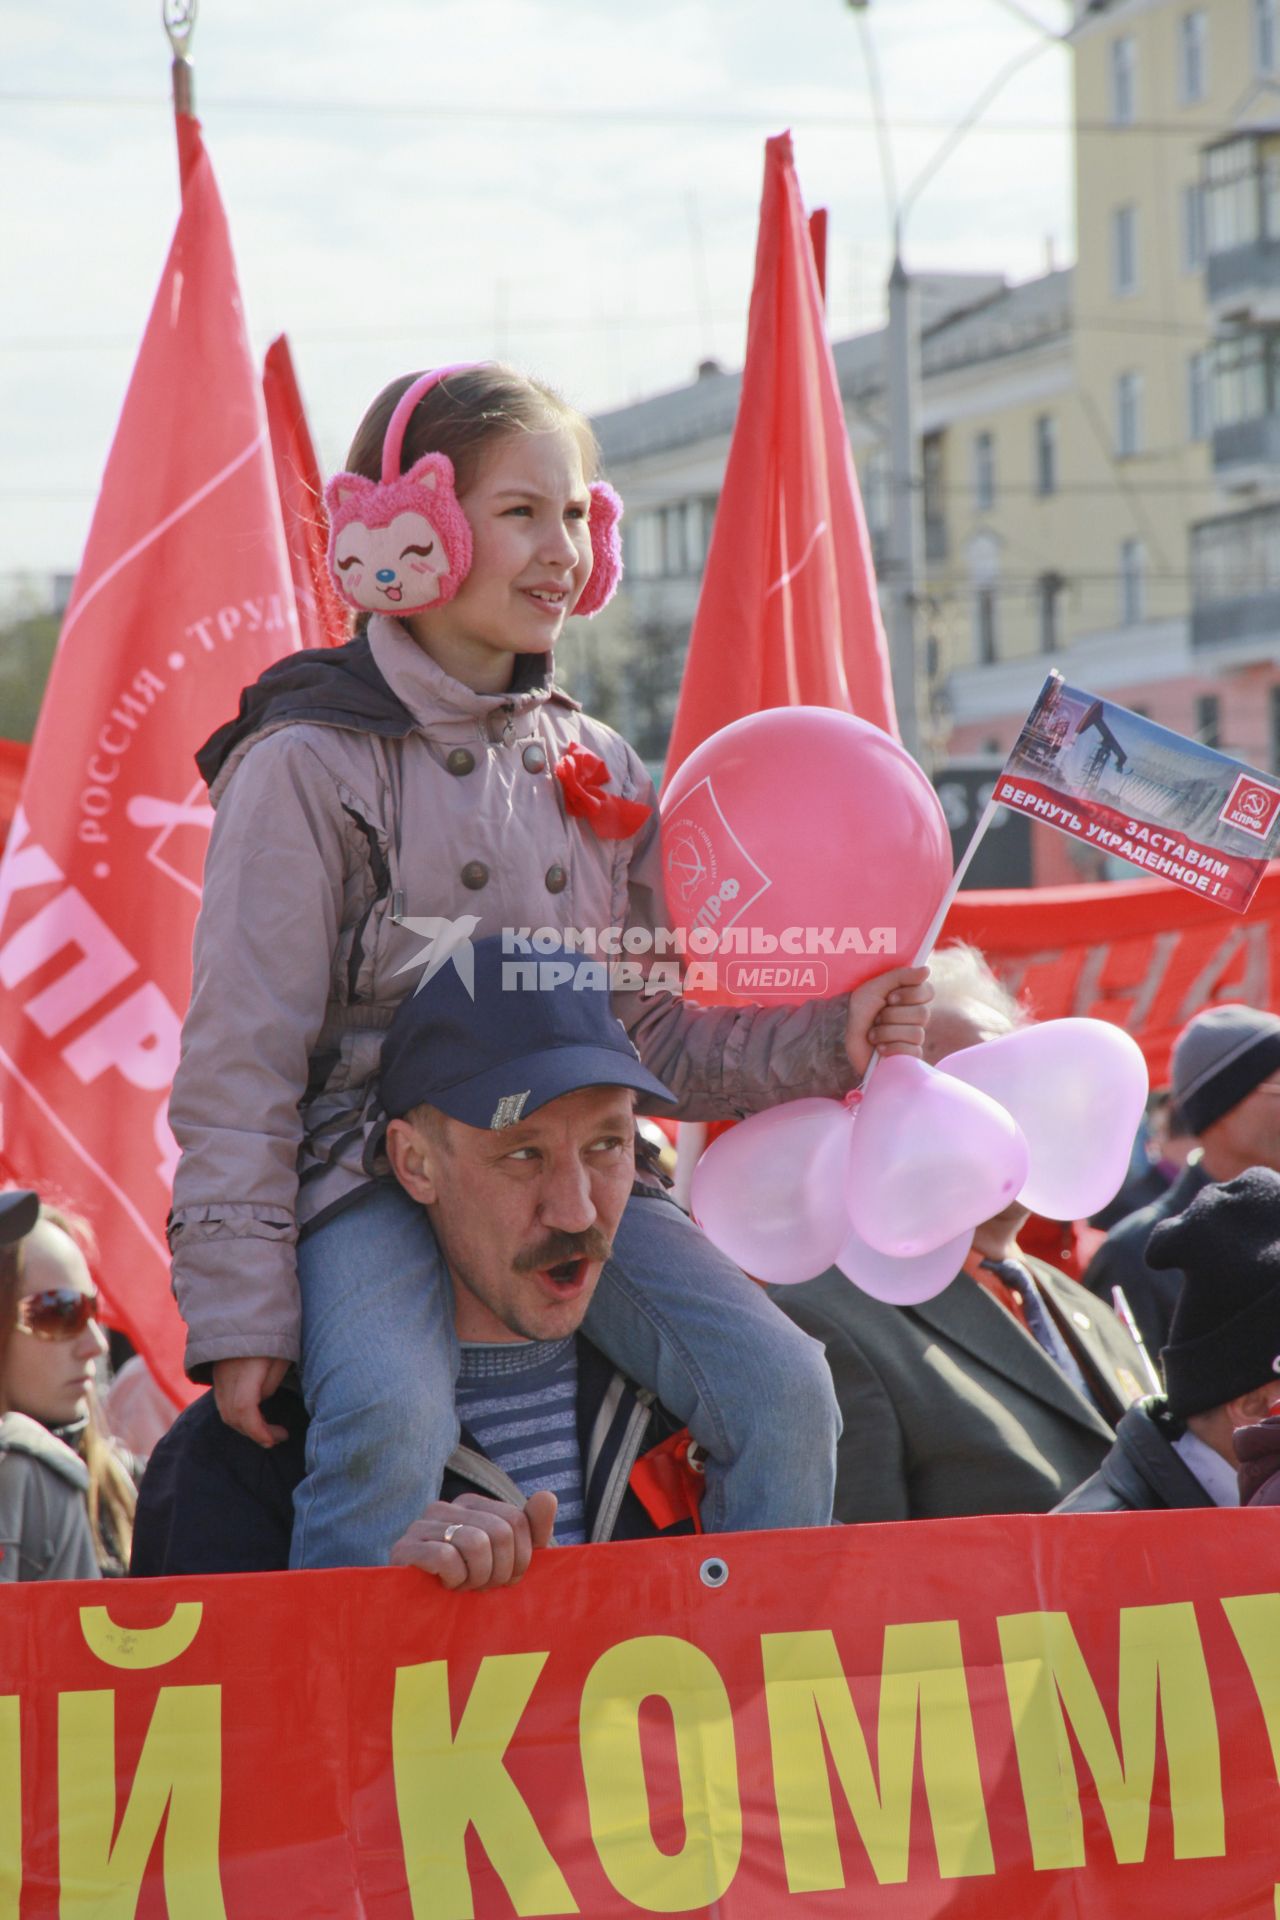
(1222, 1363)
(524, 1214)
(1002, 1393)
(1226, 1082)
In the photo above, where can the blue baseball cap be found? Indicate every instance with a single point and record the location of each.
(493, 1036)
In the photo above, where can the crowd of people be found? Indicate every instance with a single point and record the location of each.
(423, 1238)
(1015, 1390)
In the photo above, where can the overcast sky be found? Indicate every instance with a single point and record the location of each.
(574, 187)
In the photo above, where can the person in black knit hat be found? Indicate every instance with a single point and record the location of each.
(1225, 1078)
(1222, 1362)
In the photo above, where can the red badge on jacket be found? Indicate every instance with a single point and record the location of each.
(583, 776)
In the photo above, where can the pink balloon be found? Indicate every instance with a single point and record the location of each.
(1076, 1089)
(923, 1165)
(797, 819)
(902, 1282)
(770, 1193)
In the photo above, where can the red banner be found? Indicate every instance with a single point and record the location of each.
(1004, 1716)
(787, 612)
(184, 594)
(322, 618)
(1168, 854)
(1142, 953)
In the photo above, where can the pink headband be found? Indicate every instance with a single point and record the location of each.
(402, 544)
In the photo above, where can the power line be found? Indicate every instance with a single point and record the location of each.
(602, 322)
(853, 121)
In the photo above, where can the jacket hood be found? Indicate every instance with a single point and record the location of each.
(18, 1434)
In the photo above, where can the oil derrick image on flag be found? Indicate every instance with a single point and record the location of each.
(1178, 810)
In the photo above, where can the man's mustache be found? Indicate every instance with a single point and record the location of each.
(591, 1244)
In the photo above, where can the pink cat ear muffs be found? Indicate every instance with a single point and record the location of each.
(606, 549)
(402, 544)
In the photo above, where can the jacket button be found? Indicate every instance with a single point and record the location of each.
(557, 879)
(475, 875)
(460, 761)
(534, 759)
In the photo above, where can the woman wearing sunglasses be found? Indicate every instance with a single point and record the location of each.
(47, 1377)
(44, 1519)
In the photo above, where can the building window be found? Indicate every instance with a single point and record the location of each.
(1198, 419)
(1133, 572)
(1192, 228)
(984, 472)
(984, 626)
(1048, 590)
(1193, 57)
(1124, 251)
(699, 517)
(875, 492)
(1128, 415)
(1241, 180)
(1123, 81)
(668, 542)
(1046, 454)
(1208, 720)
(1236, 558)
(642, 533)
(933, 479)
(1264, 35)
(675, 555)
(1245, 376)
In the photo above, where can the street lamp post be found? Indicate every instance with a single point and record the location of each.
(902, 346)
(902, 349)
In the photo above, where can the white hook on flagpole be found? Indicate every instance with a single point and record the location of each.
(179, 24)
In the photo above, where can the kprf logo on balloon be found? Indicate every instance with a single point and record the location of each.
(1251, 806)
(834, 840)
(710, 874)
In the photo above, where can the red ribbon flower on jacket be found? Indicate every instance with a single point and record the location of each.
(583, 776)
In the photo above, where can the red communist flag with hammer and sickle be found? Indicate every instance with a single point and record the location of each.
(183, 595)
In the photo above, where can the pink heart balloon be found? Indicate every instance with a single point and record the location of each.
(923, 1163)
(903, 1282)
(1076, 1089)
(770, 1193)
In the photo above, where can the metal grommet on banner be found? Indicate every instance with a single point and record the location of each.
(713, 1573)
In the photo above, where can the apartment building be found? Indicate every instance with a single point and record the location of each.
(1100, 447)
(1174, 183)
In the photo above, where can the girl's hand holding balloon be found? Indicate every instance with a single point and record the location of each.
(888, 1015)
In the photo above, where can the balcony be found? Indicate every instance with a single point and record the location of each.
(1247, 454)
(1245, 280)
(1249, 625)
(1235, 574)
(1240, 192)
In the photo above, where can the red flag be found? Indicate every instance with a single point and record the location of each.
(322, 619)
(788, 613)
(818, 241)
(14, 755)
(184, 594)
